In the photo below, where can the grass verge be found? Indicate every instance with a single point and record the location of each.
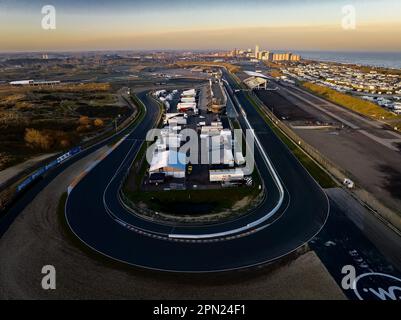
(197, 201)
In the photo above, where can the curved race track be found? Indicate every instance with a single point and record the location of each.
(286, 220)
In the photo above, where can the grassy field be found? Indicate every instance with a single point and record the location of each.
(193, 201)
(358, 105)
(230, 67)
(311, 166)
(179, 201)
(37, 120)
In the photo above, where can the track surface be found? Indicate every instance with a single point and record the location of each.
(95, 214)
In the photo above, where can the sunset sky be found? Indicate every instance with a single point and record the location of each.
(201, 24)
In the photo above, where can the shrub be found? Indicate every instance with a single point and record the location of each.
(84, 121)
(48, 139)
(65, 143)
(98, 123)
(84, 128)
(38, 139)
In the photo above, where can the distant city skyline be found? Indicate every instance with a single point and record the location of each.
(200, 25)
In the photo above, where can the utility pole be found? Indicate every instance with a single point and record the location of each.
(115, 121)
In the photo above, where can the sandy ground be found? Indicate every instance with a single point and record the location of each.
(36, 239)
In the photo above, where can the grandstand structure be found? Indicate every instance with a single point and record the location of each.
(256, 80)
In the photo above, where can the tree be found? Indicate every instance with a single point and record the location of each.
(37, 139)
(65, 143)
(84, 121)
(98, 123)
(84, 128)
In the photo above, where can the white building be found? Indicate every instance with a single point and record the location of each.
(171, 163)
(229, 175)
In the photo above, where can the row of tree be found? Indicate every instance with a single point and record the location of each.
(47, 140)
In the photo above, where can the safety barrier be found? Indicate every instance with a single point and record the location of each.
(41, 171)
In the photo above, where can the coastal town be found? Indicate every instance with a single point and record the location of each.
(375, 86)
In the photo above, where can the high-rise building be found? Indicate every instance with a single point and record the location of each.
(270, 56)
(286, 57)
(281, 57)
(266, 55)
(257, 51)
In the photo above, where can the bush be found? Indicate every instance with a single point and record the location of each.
(65, 143)
(84, 128)
(48, 139)
(84, 121)
(38, 139)
(98, 123)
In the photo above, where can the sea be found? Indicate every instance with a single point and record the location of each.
(390, 60)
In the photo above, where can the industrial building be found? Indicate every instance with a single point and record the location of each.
(256, 80)
(170, 138)
(34, 83)
(170, 162)
(220, 148)
(231, 175)
(188, 101)
(219, 97)
(175, 119)
(189, 93)
(187, 106)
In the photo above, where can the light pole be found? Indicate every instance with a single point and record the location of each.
(115, 121)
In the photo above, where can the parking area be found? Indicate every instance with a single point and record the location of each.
(216, 164)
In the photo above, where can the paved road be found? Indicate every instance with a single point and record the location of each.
(97, 217)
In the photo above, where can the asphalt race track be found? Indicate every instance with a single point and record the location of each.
(281, 224)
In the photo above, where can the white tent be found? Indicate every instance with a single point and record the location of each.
(171, 163)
